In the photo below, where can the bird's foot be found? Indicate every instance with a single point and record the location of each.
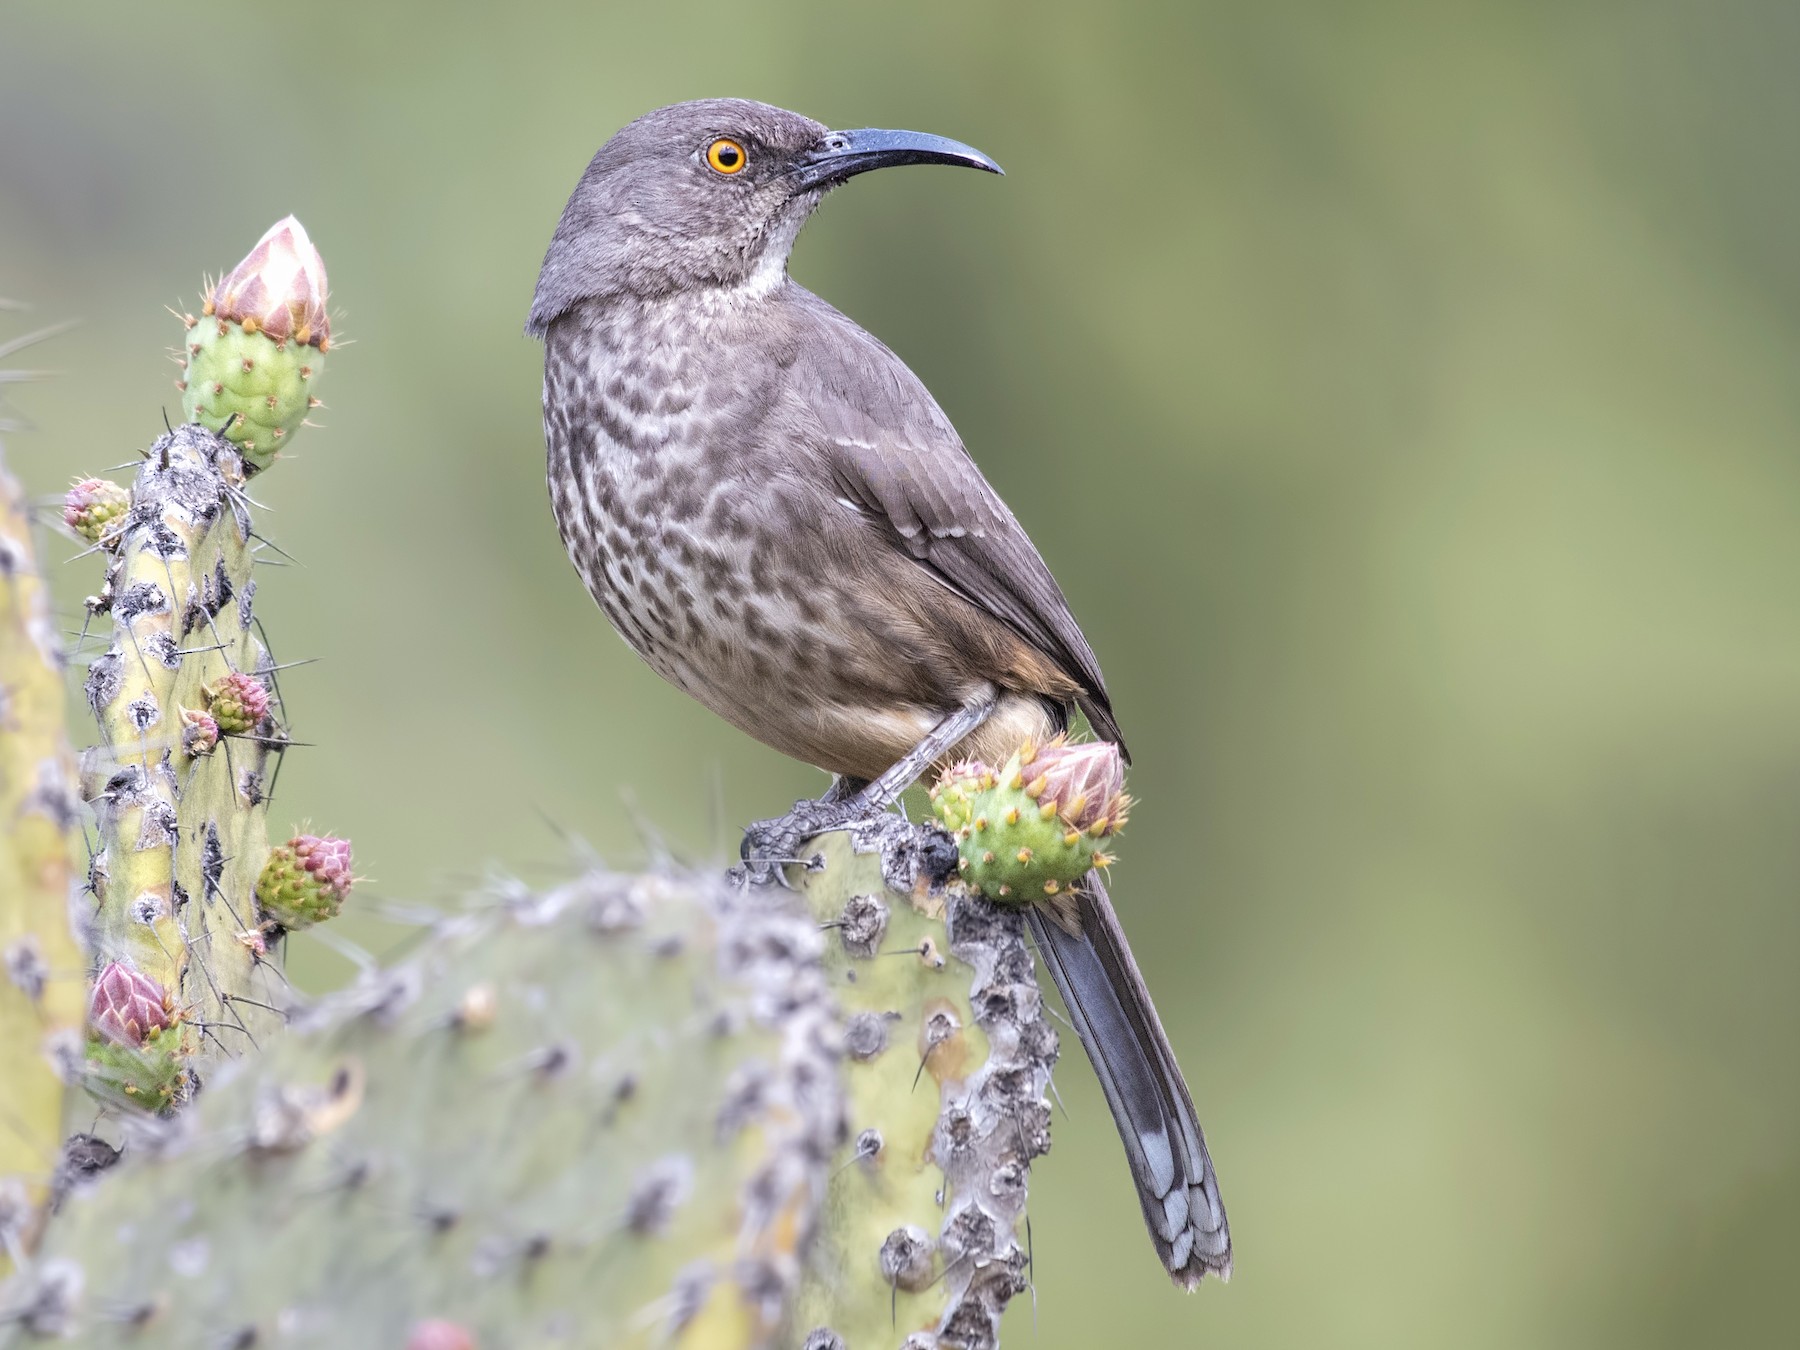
(770, 847)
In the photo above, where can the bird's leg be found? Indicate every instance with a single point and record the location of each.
(770, 845)
(843, 787)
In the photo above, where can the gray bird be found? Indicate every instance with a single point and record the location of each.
(772, 509)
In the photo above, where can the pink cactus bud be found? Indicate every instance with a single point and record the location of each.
(1084, 783)
(128, 1005)
(305, 880)
(434, 1333)
(327, 857)
(237, 702)
(279, 288)
(199, 732)
(91, 505)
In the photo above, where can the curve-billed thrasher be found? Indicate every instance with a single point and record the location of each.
(771, 508)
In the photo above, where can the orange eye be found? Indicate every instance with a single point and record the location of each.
(726, 155)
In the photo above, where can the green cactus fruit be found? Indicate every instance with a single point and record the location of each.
(1034, 827)
(150, 1075)
(92, 505)
(237, 703)
(305, 881)
(246, 386)
(249, 364)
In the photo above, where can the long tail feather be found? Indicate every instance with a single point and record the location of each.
(1119, 1028)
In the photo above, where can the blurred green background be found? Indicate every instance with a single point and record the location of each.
(1406, 396)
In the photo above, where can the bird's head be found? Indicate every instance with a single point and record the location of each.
(709, 194)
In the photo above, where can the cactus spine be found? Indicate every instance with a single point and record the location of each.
(41, 984)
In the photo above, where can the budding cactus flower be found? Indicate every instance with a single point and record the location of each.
(278, 288)
(91, 506)
(134, 1050)
(237, 703)
(1031, 829)
(128, 1006)
(305, 881)
(199, 733)
(250, 361)
(1085, 783)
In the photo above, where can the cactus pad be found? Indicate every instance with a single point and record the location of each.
(948, 1058)
(602, 1116)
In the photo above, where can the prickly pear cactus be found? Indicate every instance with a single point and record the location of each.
(600, 1117)
(41, 984)
(179, 801)
(631, 1112)
(947, 1061)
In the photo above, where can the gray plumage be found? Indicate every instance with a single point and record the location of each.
(774, 512)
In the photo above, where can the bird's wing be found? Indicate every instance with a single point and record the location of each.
(895, 455)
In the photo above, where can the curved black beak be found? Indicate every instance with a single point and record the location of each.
(844, 154)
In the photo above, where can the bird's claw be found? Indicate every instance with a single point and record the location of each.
(770, 847)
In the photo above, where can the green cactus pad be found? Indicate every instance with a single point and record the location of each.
(948, 1058)
(1012, 848)
(601, 1116)
(181, 838)
(232, 370)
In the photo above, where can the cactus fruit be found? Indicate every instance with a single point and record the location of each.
(92, 505)
(146, 1075)
(305, 881)
(948, 1058)
(250, 362)
(42, 989)
(237, 702)
(1028, 831)
(181, 833)
(602, 1116)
